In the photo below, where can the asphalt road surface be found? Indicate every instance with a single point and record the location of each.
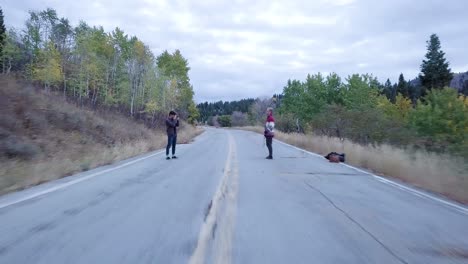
(223, 202)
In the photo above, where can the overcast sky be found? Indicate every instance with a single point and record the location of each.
(241, 48)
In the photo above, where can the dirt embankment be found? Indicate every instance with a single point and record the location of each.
(42, 137)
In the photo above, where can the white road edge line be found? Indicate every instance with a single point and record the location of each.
(81, 179)
(415, 192)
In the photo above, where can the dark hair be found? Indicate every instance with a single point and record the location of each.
(172, 113)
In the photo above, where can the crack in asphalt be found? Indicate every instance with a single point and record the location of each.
(375, 238)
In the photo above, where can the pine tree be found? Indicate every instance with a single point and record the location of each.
(415, 93)
(2, 34)
(435, 71)
(402, 87)
(390, 91)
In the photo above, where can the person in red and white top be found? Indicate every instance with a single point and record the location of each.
(269, 132)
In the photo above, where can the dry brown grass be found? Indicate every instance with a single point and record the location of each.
(43, 138)
(19, 174)
(438, 173)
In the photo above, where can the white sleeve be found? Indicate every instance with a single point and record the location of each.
(270, 126)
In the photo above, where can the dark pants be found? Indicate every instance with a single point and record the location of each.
(171, 142)
(269, 143)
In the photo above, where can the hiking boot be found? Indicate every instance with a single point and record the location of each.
(168, 158)
(174, 157)
(269, 157)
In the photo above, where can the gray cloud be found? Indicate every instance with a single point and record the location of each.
(242, 48)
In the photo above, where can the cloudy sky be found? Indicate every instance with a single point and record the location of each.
(240, 48)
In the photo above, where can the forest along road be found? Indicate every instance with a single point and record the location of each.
(223, 202)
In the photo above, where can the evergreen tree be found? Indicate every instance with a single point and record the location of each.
(208, 110)
(389, 91)
(402, 87)
(415, 92)
(435, 71)
(2, 33)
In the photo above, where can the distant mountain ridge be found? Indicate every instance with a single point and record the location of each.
(459, 81)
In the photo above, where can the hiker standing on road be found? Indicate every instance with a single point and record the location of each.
(269, 132)
(172, 122)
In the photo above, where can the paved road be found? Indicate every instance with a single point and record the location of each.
(222, 202)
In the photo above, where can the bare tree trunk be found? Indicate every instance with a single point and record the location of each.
(132, 97)
(81, 99)
(153, 119)
(142, 92)
(64, 86)
(81, 93)
(87, 87)
(95, 97)
(106, 94)
(9, 67)
(164, 98)
(131, 105)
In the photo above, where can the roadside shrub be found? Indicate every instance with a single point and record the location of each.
(12, 147)
(73, 122)
(8, 121)
(225, 121)
(442, 121)
(239, 119)
(210, 121)
(286, 123)
(35, 122)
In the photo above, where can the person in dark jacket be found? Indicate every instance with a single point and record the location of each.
(269, 132)
(172, 122)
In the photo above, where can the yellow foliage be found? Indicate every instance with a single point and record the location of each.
(48, 69)
(400, 109)
(152, 107)
(464, 100)
(140, 50)
(403, 105)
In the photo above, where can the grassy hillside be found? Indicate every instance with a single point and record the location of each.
(42, 137)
